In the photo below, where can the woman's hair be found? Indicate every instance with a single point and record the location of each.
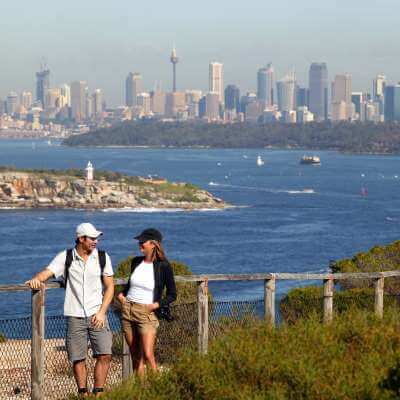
(158, 251)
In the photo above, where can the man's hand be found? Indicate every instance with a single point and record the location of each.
(98, 320)
(34, 283)
(39, 278)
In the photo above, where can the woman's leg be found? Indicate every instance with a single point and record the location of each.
(132, 338)
(148, 339)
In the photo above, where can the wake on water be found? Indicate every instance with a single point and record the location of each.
(302, 191)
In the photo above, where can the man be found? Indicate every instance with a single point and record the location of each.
(89, 289)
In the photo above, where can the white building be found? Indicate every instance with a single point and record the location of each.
(216, 80)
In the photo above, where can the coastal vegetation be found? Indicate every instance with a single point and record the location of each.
(365, 137)
(355, 357)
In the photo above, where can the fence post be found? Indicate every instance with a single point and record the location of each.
(269, 301)
(37, 344)
(328, 300)
(202, 316)
(379, 285)
(127, 368)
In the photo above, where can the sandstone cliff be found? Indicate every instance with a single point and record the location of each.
(32, 190)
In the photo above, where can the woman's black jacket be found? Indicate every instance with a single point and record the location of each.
(163, 278)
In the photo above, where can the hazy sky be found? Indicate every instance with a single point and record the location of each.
(101, 41)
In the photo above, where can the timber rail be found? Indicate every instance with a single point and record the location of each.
(269, 280)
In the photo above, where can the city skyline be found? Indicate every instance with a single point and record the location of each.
(245, 39)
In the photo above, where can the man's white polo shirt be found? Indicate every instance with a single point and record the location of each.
(84, 292)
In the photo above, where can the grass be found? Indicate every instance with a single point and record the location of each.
(355, 357)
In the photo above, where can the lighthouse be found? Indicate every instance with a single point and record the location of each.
(89, 172)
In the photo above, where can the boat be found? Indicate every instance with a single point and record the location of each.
(260, 161)
(313, 160)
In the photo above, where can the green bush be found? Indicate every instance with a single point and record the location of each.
(307, 302)
(2, 337)
(354, 357)
(379, 258)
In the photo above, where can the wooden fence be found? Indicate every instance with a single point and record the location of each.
(270, 280)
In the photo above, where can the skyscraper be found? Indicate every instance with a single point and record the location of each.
(42, 84)
(212, 106)
(286, 89)
(78, 100)
(97, 102)
(232, 98)
(12, 103)
(392, 103)
(174, 60)
(265, 85)
(342, 107)
(133, 86)
(216, 80)
(26, 99)
(318, 94)
(378, 92)
(65, 95)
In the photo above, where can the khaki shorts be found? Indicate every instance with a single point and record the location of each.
(136, 315)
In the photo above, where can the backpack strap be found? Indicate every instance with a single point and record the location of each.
(69, 258)
(68, 261)
(102, 262)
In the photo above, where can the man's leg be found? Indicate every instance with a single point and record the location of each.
(80, 373)
(101, 341)
(77, 339)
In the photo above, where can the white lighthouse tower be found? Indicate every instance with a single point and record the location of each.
(89, 172)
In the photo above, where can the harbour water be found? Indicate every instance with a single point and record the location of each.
(287, 217)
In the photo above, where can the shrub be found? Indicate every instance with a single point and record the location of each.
(379, 258)
(354, 357)
(2, 337)
(307, 302)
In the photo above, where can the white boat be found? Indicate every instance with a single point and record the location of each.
(260, 161)
(314, 160)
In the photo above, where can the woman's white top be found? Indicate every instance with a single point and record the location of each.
(142, 284)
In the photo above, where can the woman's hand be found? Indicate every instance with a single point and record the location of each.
(121, 298)
(153, 306)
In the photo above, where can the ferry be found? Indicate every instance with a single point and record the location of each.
(314, 160)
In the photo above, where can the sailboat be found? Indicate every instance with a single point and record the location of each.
(260, 161)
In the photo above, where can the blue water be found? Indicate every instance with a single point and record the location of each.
(276, 226)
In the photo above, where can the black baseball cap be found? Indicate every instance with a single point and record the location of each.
(149, 234)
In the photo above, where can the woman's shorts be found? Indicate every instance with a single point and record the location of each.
(136, 315)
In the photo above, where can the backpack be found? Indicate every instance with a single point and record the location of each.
(68, 262)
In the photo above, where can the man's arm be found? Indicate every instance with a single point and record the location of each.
(39, 278)
(98, 320)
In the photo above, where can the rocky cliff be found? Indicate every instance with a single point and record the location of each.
(55, 190)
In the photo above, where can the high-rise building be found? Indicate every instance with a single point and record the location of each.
(318, 91)
(12, 103)
(175, 102)
(286, 89)
(157, 102)
(133, 86)
(97, 102)
(174, 60)
(52, 98)
(216, 80)
(232, 98)
(144, 101)
(392, 103)
(302, 97)
(26, 99)
(78, 100)
(212, 106)
(342, 107)
(65, 94)
(265, 85)
(42, 84)
(359, 101)
(378, 87)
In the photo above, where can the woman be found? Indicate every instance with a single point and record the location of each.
(150, 274)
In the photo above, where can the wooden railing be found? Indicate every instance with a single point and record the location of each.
(270, 281)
